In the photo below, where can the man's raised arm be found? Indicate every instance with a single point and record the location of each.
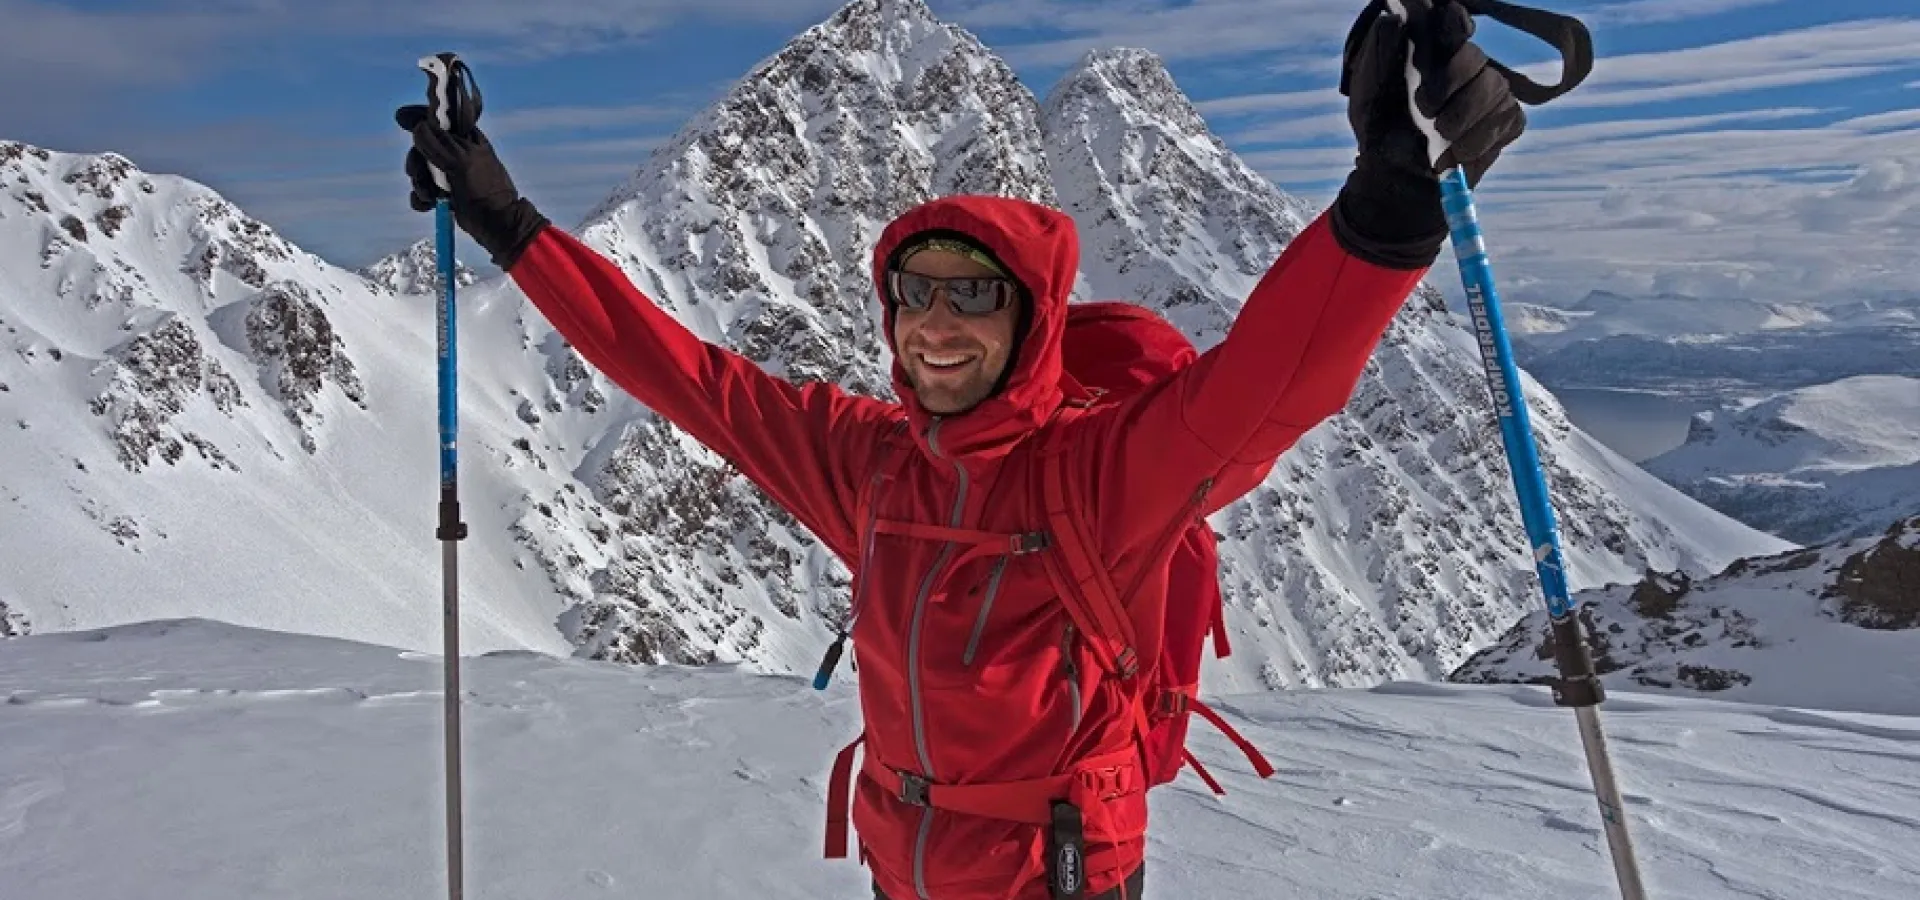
(1301, 342)
(803, 445)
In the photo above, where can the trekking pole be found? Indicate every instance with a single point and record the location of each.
(1578, 686)
(446, 87)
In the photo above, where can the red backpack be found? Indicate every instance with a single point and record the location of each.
(1116, 349)
(1111, 350)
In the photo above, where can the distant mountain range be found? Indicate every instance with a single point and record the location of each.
(203, 420)
(1824, 463)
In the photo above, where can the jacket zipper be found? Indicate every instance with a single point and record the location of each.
(913, 664)
(986, 607)
(831, 660)
(1072, 674)
(866, 551)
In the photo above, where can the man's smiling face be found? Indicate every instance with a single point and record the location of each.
(951, 360)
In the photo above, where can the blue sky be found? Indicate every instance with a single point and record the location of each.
(1750, 147)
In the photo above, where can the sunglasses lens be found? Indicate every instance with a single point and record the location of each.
(975, 296)
(912, 291)
(966, 296)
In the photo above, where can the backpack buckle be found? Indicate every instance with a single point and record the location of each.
(1108, 782)
(1029, 542)
(913, 789)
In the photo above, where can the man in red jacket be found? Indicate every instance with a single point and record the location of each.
(981, 702)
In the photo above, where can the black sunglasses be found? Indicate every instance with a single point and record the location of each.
(965, 296)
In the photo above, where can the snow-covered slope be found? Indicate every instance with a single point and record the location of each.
(1385, 547)
(193, 759)
(201, 419)
(1814, 465)
(1833, 627)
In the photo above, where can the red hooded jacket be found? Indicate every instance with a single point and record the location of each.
(970, 674)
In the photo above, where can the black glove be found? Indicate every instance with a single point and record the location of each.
(484, 201)
(1389, 212)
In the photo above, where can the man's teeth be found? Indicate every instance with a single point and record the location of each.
(945, 362)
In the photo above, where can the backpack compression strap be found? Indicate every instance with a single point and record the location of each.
(1085, 580)
(1084, 585)
(1180, 702)
(1092, 600)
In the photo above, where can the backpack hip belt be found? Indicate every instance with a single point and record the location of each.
(1093, 780)
(1105, 777)
(1065, 806)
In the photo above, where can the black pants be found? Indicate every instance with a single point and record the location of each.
(1135, 883)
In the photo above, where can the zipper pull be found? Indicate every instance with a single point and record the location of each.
(829, 663)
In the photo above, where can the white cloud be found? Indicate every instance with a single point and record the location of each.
(574, 118)
(1539, 138)
(1211, 29)
(1247, 104)
(1886, 121)
(1802, 56)
(176, 40)
(1773, 202)
(1645, 12)
(1298, 165)
(1200, 30)
(43, 44)
(1706, 154)
(1664, 213)
(1295, 129)
(1713, 87)
(1884, 196)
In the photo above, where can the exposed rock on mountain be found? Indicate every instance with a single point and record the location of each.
(1796, 628)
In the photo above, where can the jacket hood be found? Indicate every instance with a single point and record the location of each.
(1121, 347)
(1038, 246)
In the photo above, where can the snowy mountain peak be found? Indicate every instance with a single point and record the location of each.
(941, 114)
(415, 270)
(874, 18)
(99, 174)
(188, 393)
(1168, 215)
(102, 205)
(1136, 83)
(763, 210)
(160, 290)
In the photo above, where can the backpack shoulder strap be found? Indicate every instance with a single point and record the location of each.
(1085, 580)
(1084, 585)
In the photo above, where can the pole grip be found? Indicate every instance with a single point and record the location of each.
(1564, 33)
(453, 99)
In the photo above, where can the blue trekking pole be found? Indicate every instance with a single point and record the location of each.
(447, 88)
(1578, 686)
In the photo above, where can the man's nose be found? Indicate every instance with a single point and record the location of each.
(940, 314)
